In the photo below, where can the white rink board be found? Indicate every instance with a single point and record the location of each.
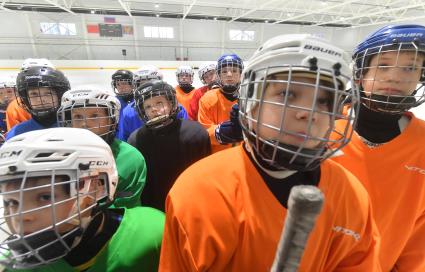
(98, 72)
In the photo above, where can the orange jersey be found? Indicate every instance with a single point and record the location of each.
(184, 98)
(221, 216)
(214, 109)
(394, 176)
(15, 114)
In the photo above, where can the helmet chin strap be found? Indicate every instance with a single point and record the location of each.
(186, 87)
(159, 121)
(231, 96)
(278, 174)
(126, 97)
(46, 120)
(31, 251)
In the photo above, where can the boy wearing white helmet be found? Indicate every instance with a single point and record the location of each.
(184, 90)
(30, 62)
(98, 111)
(207, 75)
(292, 92)
(130, 120)
(55, 190)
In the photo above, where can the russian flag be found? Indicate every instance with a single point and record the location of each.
(109, 19)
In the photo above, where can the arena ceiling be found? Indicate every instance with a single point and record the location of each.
(331, 13)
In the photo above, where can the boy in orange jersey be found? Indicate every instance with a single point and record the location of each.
(15, 114)
(226, 212)
(215, 106)
(7, 94)
(184, 91)
(386, 153)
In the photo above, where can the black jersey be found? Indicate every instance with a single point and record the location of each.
(168, 152)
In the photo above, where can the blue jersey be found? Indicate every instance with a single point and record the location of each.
(26, 126)
(3, 126)
(124, 103)
(131, 121)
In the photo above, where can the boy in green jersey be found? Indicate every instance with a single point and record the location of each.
(56, 186)
(98, 111)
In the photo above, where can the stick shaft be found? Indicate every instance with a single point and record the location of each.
(304, 205)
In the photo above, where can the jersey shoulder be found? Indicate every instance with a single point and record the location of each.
(210, 98)
(126, 151)
(341, 186)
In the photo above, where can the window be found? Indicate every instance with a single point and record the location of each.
(159, 32)
(66, 29)
(241, 35)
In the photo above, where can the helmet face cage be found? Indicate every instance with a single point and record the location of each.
(145, 93)
(373, 63)
(27, 246)
(225, 64)
(99, 115)
(124, 78)
(205, 69)
(184, 70)
(7, 94)
(41, 89)
(52, 186)
(302, 156)
(40, 101)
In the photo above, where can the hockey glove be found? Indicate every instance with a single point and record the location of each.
(230, 132)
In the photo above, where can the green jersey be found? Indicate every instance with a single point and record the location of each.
(131, 168)
(135, 246)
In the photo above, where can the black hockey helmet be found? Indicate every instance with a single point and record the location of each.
(122, 76)
(41, 76)
(151, 89)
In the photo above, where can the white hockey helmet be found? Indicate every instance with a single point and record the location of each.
(146, 73)
(74, 171)
(36, 62)
(184, 69)
(205, 68)
(8, 83)
(296, 56)
(91, 97)
(7, 92)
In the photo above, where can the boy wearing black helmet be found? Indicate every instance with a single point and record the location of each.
(168, 144)
(40, 90)
(122, 84)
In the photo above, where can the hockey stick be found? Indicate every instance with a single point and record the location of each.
(304, 205)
